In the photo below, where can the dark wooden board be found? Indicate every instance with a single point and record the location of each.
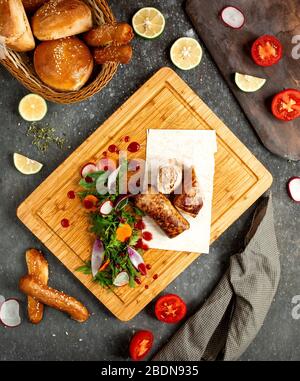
(231, 51)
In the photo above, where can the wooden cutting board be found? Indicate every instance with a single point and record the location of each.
(164, 102)
(231, 51)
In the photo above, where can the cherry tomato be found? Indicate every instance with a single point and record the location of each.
(286, 105)
(140, 345)
(170, 308)
(266, 51)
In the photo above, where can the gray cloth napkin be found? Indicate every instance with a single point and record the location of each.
(231, 317)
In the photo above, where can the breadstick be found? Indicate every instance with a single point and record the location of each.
(113, 53)
(107, 34)
(38, 267)
(53, 298)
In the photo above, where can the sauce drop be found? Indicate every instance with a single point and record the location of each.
(147, 236)
(71, 194)
(137, 280)
(65, 223)
(148, 266)
(126, 139)
(155, 276)
(133, 147)
(146, 287)
(140, 225)
(104, 154)
(113, 148)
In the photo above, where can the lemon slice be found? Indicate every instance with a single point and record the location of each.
(186, 53)
(32, 108)
(248, 83)
(26, 165)
(148, 23)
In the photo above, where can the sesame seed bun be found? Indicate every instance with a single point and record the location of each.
(65, 64)
(32, 5)
(61, 18)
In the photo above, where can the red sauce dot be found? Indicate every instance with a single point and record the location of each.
(139, 244)
(155, 276)
(104, 154)
(126, 139)
(105, 168)
(148, 266)
(88, 179)
(147, 236)
(137, 280)
(145, 246)
(146, 287)
(112, 148)
(65, 223)
(140, 225)
(133, 147)
(71, 195)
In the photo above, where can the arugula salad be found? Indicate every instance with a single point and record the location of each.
(117, 253)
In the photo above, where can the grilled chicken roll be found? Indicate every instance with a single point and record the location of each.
(159, 207)
(190, 201)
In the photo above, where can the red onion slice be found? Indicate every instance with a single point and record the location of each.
(2, 300)
(294, 188)
(10, 313)
(97, 256)
(121, 279)
(106, 207)
(88, 168)
(233, 17)
(137, 260)
(120, 199)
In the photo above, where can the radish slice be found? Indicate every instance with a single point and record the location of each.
(112, 181)
(233, 17)
(2, 300)
(137, 260)
(120, 199)
(10, 313)
(106, 207)
(97, 256)
(121, 279)
(294, 189)
(88, 168)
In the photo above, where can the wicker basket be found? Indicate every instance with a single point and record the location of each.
(20, 65)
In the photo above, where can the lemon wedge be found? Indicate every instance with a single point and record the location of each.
(26, 165)
(148, 23)
(186, 53)
(248, 83)
(32, 108)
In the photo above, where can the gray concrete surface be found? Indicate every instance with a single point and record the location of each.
(103, 337)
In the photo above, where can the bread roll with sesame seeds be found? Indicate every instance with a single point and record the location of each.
(61, 18)
(31, 286)
(65, 64)
(14, 26)
(32, 5)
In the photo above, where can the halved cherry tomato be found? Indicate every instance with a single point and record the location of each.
(170, 308)
(286, 105)
(266, 51)
(140, 345)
